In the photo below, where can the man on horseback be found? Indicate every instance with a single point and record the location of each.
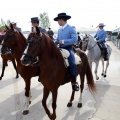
(14, 24)
(67, 36)
(50, 33)
(35, 22)
(100, 38)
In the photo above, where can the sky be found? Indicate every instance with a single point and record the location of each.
(84, 13)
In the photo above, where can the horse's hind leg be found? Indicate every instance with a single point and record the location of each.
(3, 69)
(82, 77)
(45, 96)
(14, 64)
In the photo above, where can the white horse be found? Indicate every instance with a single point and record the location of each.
(94, 54)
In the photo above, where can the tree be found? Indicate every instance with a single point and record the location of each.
(2, 24)
(44, 20)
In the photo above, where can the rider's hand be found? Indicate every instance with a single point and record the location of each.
(96, 40)
(61, 42)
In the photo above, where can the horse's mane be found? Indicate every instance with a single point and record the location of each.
(22, 36)
(91, 36)
(51, 46)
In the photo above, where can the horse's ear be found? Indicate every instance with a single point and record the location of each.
(11, 26)
(6, 27)
(37, 30)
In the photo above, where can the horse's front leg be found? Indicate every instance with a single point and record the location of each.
(96, 68)
(14, 64)
(45, 96)
(3, 69)
(107, 64)
(71, 99)
(28, 97)
(103, 67)
(54, 100)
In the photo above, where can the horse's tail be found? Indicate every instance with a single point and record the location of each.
(89, 75)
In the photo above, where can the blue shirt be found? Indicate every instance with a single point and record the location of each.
(42, 30)
(100, 35)
(68, 35)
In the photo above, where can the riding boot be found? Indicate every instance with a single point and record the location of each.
(75, 85)
(105, 54)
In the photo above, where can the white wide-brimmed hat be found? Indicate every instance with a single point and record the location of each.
(101, 25)
(13, 23)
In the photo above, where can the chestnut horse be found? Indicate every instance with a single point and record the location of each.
(15, 40)
(5, 59)
(53, 70)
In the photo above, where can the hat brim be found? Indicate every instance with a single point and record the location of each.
(66, 17)
(34, 21)
(101, 25)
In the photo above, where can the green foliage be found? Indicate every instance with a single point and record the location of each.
(2, 24)
(44, 20)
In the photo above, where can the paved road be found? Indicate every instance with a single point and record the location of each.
(104, 105)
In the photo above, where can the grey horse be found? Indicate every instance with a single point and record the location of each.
(94, 53)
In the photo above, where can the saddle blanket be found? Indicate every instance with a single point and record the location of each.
(65, 53)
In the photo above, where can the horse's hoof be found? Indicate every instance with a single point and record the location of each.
(53, 117)
(29, 102)
(69, 104)
(25, 112)
(17, 76)
(104, 75)
(79, 105)
(0, 78)
(50, 116)
(97, 78)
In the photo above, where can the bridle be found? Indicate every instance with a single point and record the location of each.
(91, 47)
(33, 61)
(8, 48)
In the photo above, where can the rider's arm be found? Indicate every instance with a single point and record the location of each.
(73, 37)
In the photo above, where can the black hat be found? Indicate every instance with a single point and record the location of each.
(62, 15)
(34, 19)
(49, 28)
(78, 33)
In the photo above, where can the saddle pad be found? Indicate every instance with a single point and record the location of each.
(65, 53)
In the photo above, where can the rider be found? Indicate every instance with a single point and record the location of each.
(67, 36)
(100, 38)
(50, 33)
(14, 24)
(35, 22)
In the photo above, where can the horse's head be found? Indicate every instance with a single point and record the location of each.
(8, 41)
(85, 42)
(34, 45)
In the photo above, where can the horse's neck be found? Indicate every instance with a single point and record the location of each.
(94, 52)
(51, 52)
(21, 45)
